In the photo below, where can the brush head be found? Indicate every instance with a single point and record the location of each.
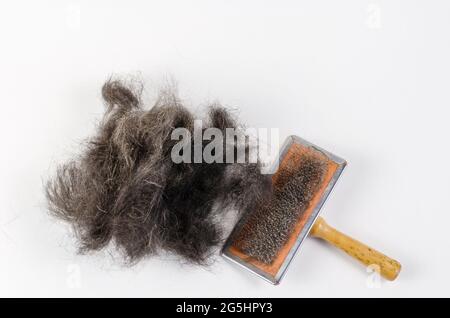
(290, 199)
(266, 238)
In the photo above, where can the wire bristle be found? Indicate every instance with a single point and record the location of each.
(267, 229)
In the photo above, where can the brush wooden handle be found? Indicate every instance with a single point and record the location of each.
(388, 267)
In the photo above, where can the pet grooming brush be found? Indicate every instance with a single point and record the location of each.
(266, 239)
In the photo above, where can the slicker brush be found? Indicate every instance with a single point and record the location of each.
(266, 239)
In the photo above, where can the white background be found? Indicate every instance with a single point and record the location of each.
(367, 80)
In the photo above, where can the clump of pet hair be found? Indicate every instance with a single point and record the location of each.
(124, 188)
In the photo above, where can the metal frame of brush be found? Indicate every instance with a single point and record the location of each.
(309, 223)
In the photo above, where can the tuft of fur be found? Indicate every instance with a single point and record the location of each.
(267, 228)
(125, 188)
